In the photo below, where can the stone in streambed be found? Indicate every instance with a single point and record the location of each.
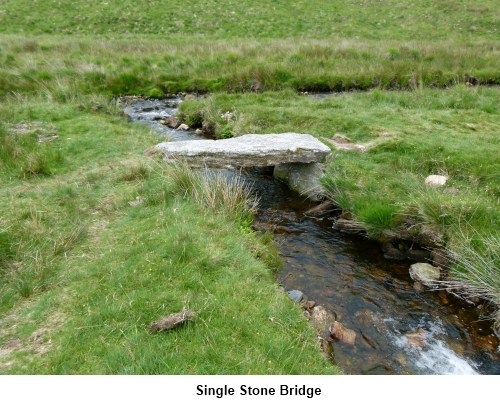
(320, 210)
(416, 339)
(340, 332)
(417, 255)
(394, 254)
(171, 122)
(348, 226)
(296, 295)
(425, 273)
(321, 318)
(440, 258)
(247, 150)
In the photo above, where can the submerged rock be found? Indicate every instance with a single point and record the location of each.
(247, 150)
(416, 339)
(425, 273)
(320, 210)
(340, 332)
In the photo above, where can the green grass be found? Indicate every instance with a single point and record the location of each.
(110, 241)
(61, 68)
(441, 19)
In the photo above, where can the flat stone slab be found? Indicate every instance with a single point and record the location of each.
(247, 150)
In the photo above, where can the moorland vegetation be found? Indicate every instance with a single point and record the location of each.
(97, 240)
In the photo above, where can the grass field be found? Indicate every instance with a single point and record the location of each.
(97, 241)
(435, 20)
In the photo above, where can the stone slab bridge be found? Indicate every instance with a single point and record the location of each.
(247, 150)
(295, 156)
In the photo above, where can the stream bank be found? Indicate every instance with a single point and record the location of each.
(349, 276)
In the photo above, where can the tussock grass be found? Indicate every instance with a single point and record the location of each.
(154, 67)
(221, 192)
(475, 269)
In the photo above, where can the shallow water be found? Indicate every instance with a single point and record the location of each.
(369, 294)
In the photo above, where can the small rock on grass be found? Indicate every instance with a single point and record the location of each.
(435, 180)
(173, 320)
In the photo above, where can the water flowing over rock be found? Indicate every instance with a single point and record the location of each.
(247, 150)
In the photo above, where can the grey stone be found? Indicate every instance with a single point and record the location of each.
(321, 318)
(425, 273)
(247, 150)
(296, 295)
(435, 180)
(302, 178)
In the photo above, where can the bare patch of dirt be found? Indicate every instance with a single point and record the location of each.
(342, 142)
(46, 131)
(97, 227)
(39, 342)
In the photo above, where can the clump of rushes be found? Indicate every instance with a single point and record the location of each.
(475, 269)
(214, 121)
(221, 191)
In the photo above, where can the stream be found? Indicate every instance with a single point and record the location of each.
(348, 276)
